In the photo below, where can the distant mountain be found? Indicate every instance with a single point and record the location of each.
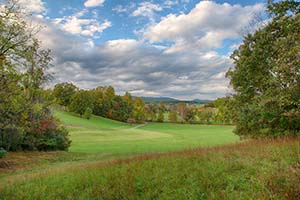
(172, 100)
(201, 101)
(159, 99)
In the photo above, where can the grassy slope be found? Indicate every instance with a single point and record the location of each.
(251, 170)
(100, 139)
(100, 135)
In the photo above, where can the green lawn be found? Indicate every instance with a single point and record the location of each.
(100, 135)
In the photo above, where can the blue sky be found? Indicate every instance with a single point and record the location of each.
(176, 48)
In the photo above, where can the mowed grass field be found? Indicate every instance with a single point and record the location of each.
(100, 135)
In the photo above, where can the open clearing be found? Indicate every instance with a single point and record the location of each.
(100, 135)
(100, 139)
(98, 166)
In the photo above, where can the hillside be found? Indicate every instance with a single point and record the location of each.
(101, 135)
(172, 100)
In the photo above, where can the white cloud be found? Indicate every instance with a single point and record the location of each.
(82, 26)
(205, 27)
(33, 6)
(144, 93)
(94, 3)
(189, 69)
(124, 9)
(147, 9)
(169, 3)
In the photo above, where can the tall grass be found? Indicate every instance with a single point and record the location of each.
(250, 170)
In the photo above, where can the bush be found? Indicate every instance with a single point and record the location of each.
(88, 113)
(54, 140)
(2, 152)
(46, 135)
(131, 121)
(11, 139)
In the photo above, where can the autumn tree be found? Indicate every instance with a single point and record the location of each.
(139, 110)
(121, 110)
(190, 115)
(63, 93)
(151, 112)
(182, 110)
(160, 117)
(173, 116)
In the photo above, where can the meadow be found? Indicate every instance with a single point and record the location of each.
(115, 160)
(249, 170)
(100, 135)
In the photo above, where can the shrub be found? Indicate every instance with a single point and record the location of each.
(54, 140)
(131, 121)
(160, 117)
(2, 152)
(88, 113)
(46, 135)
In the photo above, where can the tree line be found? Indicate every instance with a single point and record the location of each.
(103, 101)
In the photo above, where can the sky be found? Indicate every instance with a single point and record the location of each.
(178, 48)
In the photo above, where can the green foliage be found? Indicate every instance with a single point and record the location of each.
(139, 110)
(173, 116)
(63, 93)
(23, 72)
(205, 115)
(225, 110)
(80, 102)
(11, 139)
(88, 113)
(107, 104)
(190, 115)
(160, 117)
(121, 109)
(45, 134)
(151, 112)
(266, 76)
(2, 152)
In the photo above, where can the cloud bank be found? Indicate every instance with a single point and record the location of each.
(176, 56)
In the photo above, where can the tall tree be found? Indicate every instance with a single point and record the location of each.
(63, 93)
(182, 110)
(23, 73)
(80, 102)
(266, 76)
(139, 110)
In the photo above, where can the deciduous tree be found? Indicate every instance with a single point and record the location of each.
(266, 76)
